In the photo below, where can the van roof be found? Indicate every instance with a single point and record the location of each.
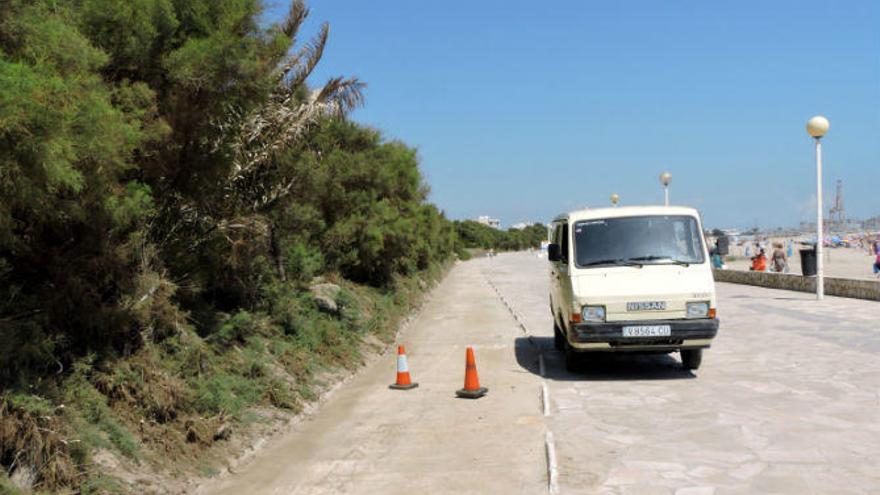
(624, 211)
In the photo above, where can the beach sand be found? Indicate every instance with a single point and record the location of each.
(843, 262)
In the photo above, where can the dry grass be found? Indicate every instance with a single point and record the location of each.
(30, 438)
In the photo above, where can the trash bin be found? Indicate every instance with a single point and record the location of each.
(724, 245)
(808, 262)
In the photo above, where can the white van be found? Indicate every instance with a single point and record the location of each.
(631, 279)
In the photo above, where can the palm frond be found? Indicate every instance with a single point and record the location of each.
(342, 95)
(295, 17)
(285, 118)
(308, 57)
(290, 27)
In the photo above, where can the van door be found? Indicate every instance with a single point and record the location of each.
(564, 275)
(554, 275)
(560, 282)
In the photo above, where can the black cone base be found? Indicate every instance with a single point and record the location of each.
(403, 387)
(472, 394)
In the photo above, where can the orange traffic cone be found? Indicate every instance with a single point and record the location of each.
(403, 381)
(472, 388)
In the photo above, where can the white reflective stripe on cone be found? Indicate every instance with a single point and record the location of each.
(401, 363)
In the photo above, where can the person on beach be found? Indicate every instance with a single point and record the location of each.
(778, 258)
(715, 256)
(876, 248)
(759, 262)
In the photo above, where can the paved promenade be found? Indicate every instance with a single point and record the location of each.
(786, 401)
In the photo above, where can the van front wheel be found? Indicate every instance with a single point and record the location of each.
(558, 338)
(572, 359)
(691, 358)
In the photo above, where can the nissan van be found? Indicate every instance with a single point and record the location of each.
(631, 279)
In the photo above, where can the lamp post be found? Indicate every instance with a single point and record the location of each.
(665, 179)
(615, 199)
(817, 127)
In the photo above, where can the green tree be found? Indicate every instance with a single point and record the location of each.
(473, 234)
(69, 208)
(138, 139)
(364, 201)
(165, 164)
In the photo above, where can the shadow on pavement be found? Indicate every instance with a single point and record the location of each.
(599, 366)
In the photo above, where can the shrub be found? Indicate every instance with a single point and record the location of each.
(236, 330)
(224, 392)
(302, 262)
(29, 437)
(92, 406)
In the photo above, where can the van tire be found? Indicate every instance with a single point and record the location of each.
(572, 359)
(691, 358)
(558, 338)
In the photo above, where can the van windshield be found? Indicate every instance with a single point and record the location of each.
(636, 241)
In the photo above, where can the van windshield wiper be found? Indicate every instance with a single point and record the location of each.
(615, 262)
(671, 261)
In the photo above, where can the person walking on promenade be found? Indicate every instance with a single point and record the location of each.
(778, 258)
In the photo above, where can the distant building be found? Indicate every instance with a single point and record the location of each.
(491, 222)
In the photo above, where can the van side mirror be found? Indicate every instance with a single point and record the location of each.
(553, 253)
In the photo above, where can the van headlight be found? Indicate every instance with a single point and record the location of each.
(698, 309)
(593, 313)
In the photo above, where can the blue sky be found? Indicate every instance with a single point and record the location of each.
(521, 110)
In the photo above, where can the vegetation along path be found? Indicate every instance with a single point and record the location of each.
(192, 234)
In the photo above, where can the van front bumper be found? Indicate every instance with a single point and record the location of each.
(608, 336)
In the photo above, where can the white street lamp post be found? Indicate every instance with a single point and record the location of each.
(817, 127)
(615, 199)
(665, 179)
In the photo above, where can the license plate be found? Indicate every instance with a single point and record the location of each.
(647, 331)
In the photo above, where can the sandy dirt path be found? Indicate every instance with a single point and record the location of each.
(369, 439)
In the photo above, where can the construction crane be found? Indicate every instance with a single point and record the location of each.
(837, 213)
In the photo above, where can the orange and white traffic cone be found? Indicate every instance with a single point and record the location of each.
(403, 380)
(472, 388)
